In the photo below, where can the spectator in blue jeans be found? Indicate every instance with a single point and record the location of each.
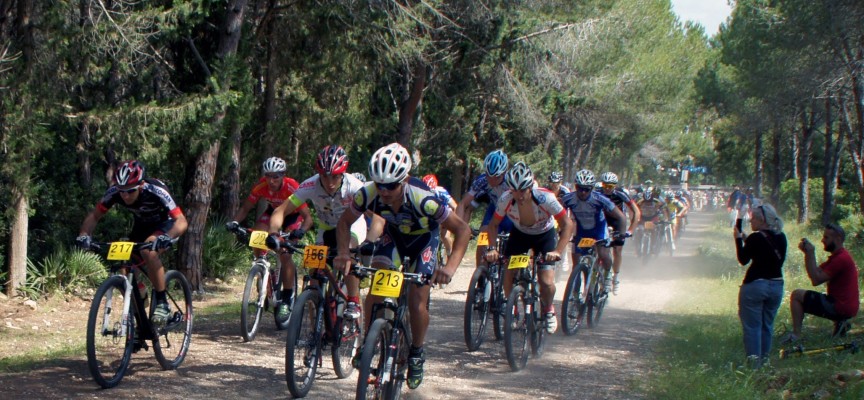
(762, 290)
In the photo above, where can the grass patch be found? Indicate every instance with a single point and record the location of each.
(702, 354)
(38, 357)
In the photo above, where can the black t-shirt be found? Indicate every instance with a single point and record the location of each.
(766, 250)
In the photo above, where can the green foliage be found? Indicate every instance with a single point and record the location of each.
(790, 191)
(64, 271)
(223, 255)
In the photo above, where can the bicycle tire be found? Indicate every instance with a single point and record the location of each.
(346, 343)
(516, 334)
(250, 311)
(106, 366)
(477, 309)
(498, 302)
(574, 304)
(371, 367)
(597, 300)
(303, 343)
(537, 329)
(171, 342)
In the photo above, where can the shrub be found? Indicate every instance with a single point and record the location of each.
(223, 255)
(63, 271)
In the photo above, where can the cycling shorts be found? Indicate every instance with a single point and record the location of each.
(521, 243)
(599, 232)
(141, 231)
(421, 252)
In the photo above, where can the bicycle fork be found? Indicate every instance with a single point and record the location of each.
(127, 301)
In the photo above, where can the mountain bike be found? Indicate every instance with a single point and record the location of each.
(667, 238)
(524, 322)
(485, 297)
(317, 323)
(119, 320)
(263, 289)
(384, 358)
(584, 294)
(646, 234)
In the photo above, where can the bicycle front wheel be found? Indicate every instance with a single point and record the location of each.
(537, 329)
(371, 382)
(110, 338)
(575, 300)
(597, 301)
(477, 309)
(250, 309)
(346, 343)
(172, 341)
(303, 344)
(516, 334)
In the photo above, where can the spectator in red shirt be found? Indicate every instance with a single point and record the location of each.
(841, 302)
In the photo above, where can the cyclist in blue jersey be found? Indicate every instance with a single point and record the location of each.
(414, 217)
(591, 210)
(487, 187)
(627, 205)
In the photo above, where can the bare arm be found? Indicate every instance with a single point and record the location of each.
(307, 219)
(179, 228)
(90, 222)
(278, 216)
(817, 275)
(462, 235)
(244, 210)
(567, 228)
(376, 228)
(636, 216)
(465, 209)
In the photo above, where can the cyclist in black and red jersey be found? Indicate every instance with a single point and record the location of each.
(156, 216)
(274, 188)
(628, 206)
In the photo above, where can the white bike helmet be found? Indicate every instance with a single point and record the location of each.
(389, 164)
(609, 177)
(274, 164)
(495, 163)
(520, 176)
(585, 178)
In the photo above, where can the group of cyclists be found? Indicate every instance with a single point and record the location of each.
(407, 218)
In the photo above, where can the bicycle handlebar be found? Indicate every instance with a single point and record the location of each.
(100, 246)
(420, 279)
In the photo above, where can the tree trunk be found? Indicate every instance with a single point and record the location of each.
(200, 195)
(832, 164)
(18, 242)
(778, 174)
(856, 150)
(759, 166)
(408, 110)
(231, 181)
(805, 148)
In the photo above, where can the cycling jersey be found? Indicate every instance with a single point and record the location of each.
(274, 199)
(589, 214)
(545, 206)
(154, 204)
(674, 208)
(443, 194)
(412, 230)
(329, 208)
(619, 197)
(483, 192)
(650, 208)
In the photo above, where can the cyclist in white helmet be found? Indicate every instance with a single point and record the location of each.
(627, 205)
(533, 211)
(415, 216)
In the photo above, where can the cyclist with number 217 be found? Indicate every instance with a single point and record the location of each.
(414, 217)
(533, 211)
(157, 218)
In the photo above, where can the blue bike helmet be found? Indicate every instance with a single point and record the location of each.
(495, 163)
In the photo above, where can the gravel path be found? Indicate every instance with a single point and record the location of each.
(601, 363)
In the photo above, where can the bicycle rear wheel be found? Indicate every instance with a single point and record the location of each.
(346, 343)
(597, 300)
(303, 344)
(250, 310)
(172, 341)
(516, 334)
(109, 350)
(575, 300)
(477, 309)
(371, 380)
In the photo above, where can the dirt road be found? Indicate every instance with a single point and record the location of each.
(601, 363)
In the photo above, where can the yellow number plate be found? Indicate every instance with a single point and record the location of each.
(120, 251)
(386, 283)
(518, 262)
(483, 239)
(258, 240)
(315, 257)
(649, 225)
(585, 242)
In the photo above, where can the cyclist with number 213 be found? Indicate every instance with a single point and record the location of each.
(156, 218)
(414, 217)
(533, 211)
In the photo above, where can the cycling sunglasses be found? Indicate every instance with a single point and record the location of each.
(388, 186)
(610, 185)
(129, 190)
(584, 189)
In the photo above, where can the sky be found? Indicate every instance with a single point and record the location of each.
(709, 13)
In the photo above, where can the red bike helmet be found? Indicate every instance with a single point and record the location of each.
(431, 180)
(129, 173)
(332, 160)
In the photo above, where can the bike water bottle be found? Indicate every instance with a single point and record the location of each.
(487, 291)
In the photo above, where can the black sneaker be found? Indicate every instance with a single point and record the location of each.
(415, 371)
(841, 328)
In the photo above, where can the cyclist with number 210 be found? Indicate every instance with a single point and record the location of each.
(414, 217)
(533, 211)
